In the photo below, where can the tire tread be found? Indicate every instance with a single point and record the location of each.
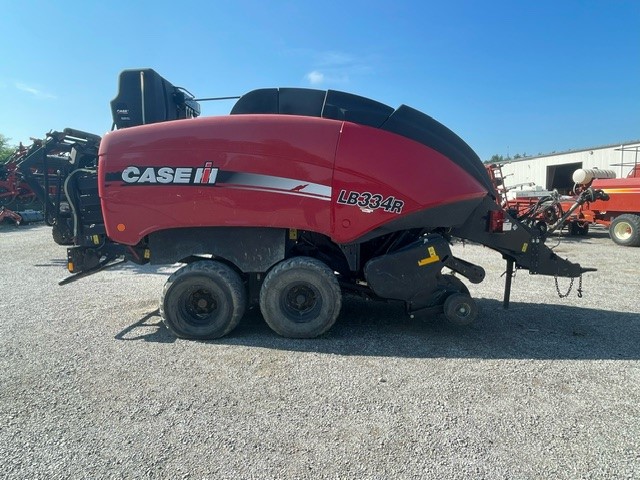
(233, 281)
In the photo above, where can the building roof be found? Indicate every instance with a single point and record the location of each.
(553, 154)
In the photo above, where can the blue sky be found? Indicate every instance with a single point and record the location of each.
(507, 76)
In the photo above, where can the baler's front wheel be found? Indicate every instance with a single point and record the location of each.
(203, 300)
(300, 298)
(460, 309)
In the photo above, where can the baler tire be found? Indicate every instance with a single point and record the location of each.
(300, 298)
(460, 309)
(625, 230)
(203, 300)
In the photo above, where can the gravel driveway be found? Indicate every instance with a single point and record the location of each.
(93, 386)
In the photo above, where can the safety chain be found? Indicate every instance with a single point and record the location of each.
(570, 287)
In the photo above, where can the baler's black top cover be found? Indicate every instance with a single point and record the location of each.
(404, 121)
(146, 97)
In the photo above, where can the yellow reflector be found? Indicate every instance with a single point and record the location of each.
(147, 253)
(293, 234)
(432, 258)
(70, 267)
(96, 239)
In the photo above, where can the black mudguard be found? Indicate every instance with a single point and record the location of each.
(411, 274)
(250, 249)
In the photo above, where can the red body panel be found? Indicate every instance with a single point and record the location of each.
(624, 197)
(378, 162)
(269, 171)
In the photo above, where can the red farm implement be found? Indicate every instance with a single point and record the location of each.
(294, 198)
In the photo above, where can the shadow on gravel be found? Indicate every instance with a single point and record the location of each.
(54, 262)
(590, 238)
(525, 331)
(147, 330)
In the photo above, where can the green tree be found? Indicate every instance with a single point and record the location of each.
(501, 158)
(496, 159)
(6, 150)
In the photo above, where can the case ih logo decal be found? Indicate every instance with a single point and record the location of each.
(168, 175)
(208, 175)
(368, 202)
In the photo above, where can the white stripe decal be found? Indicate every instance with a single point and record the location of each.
(259, 182)
(273, 190)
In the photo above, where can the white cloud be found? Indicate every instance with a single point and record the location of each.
(336, 68)
(33, 91)
(315, 77)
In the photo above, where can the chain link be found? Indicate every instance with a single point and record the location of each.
(580, 287)
(565, 295)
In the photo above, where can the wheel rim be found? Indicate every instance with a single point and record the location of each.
(199, 305)
(301, 302)
(463, 310)
(622, 231)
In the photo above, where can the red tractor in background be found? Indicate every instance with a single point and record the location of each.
(294, 198)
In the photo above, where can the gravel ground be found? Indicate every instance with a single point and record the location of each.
(93, 386)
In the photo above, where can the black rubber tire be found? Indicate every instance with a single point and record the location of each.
(62, 234)
(460, 309)
(583, 229)
(300, 298)
(625, 230)
(576, 229)
(203, 300)
(572, 229)
(454, 284)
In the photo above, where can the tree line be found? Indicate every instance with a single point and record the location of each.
(502, 159)
(6, 149)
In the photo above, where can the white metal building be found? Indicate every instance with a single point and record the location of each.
(554, 171)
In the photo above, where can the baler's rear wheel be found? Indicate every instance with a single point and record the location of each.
(460, 309)
(203, 300)
(300, 298)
